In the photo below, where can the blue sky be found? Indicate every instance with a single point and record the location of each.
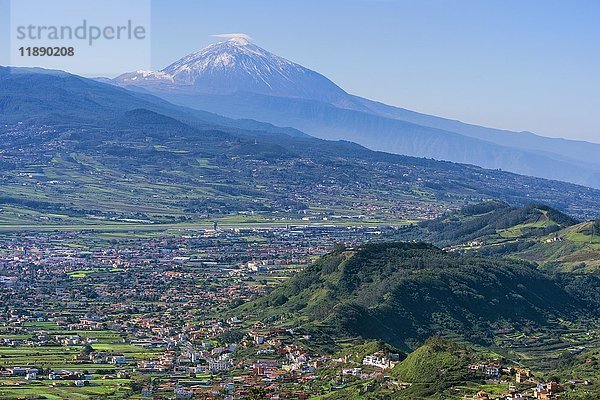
(520, 65)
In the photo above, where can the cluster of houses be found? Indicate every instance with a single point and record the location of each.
(147, 291)
(28, 373)
(161, 295)
(32, 374)
(524, 387)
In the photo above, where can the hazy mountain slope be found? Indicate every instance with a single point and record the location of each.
(28, 94)
(115, 154)
(579, 152)
(238, 79)
(386, 134)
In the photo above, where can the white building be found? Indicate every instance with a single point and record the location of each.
(118, 360)
(218, 365)
(376, 361)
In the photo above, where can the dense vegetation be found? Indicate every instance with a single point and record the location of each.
(534, 232)
(479, 220)
(435, 366)
(403, 293)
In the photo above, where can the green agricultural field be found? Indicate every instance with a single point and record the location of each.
(61, 357)
(98, 387)
(103, 383)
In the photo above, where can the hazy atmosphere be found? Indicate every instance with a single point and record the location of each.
(518, 65)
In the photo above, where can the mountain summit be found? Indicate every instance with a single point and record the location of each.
(237, 65)
(237, 79)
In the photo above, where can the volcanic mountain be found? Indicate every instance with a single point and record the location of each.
(238, 79)
(237, 65)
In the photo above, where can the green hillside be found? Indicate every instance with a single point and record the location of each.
(575, 248)
(493, 221)
(428, 372)
(536, 233)
(433, 367)
(402, 293)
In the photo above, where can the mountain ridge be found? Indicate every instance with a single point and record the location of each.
(298, 100)
(535, 232)
(208, 164)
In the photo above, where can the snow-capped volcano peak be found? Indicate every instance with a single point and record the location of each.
(237, 65)
(239, 41)
(235, 58)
